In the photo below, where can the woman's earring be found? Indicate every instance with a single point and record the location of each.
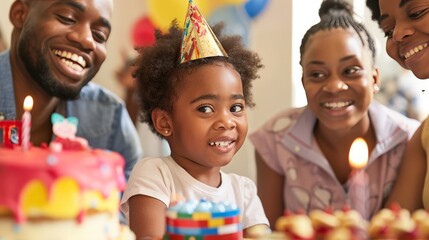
(376, 88)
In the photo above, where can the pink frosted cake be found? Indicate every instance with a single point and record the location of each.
(60, 193)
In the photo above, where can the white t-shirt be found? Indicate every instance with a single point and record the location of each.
(162, 178)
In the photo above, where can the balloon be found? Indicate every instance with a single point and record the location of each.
(163, 12)
(215, 4)
(236, 21)
(255, 7)
(143, 32)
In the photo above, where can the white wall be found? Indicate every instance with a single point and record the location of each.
(270, 34)
(4, 19)
(275, 34)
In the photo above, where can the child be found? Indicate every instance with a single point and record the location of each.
(196, 100)
(302, 154)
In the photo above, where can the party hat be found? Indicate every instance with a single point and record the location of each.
(199, 41)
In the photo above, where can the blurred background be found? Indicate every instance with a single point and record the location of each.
(272, 28)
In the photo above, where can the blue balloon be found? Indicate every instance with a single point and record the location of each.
(255, 7)
(236, 21)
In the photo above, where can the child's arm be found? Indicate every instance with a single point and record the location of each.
(147, 217)
(256, 231)
(270, 190)
(408, 187)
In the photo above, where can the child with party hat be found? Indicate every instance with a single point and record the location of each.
(194, 88)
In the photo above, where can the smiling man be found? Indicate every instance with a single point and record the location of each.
(57, 47)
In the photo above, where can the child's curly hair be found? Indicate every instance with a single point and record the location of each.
(159, 69)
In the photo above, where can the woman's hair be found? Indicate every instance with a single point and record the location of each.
(159, 69)
(374, 6)
(338, 14)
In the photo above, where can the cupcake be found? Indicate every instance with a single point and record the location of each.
(295, 226)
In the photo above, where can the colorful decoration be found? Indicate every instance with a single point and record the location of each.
(163, 12)
(215, 4)
(143, 32)
(26, 123)
(65, 130)
(236, 21)
(199, 41)
(10, 130)
(255, 7)
(203, 220)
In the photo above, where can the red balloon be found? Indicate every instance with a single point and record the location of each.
(143, 32)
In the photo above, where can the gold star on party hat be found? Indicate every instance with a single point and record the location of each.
(199, 41)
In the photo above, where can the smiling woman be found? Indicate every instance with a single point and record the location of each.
(406, 27)
(302, 153)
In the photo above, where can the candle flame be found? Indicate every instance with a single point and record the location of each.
(358, 156)
(28, 103)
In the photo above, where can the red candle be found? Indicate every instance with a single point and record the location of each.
(359, 181)
(26, 123)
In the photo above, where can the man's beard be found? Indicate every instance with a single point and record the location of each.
(41, 72)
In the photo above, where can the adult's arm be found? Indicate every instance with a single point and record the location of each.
(408, 187)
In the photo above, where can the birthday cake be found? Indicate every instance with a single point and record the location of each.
(345, 224)
(203, 220)
(393, 223)
(397, 223)
(64, 191)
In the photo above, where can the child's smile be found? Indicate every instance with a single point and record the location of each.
(211, 124)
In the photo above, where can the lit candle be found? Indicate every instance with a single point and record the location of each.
(359, 191)
(26, 123)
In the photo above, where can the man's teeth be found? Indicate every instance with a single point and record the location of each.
(73, 57)
(336, 104)
(415, 50)
(220, 144)
(73, 65)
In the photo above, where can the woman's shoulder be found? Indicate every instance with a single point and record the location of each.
(385, 118)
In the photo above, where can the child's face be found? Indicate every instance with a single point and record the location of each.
(338, 78)
(209, 121)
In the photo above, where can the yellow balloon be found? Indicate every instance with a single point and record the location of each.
(163, 12)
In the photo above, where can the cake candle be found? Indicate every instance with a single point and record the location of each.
(359, 191)
(26, 123)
